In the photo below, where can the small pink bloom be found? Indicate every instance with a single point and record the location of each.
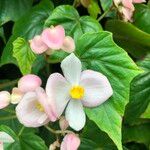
(63, 123)
(128, 4)
(37, 45)
(127, 14)
(68, 44)
(30, 112)
(139, 1)
(54, 37)
(16, 96)
(4, 99)
(70, 142)
(29, 83)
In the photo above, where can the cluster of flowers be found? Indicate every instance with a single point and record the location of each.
(126, 8)
(52, 39)
(37, 106)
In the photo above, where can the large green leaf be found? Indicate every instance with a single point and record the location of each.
(106, 4)
(27, 27)
(24, 55)
(13, 9)
(2, 34)
(142, 17)
(129, 37)
(139, 97)
(146, 114)
(98, 52)
(24, 140)
(74, 25)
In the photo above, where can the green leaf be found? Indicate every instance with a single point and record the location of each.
(139, 97)
(142, 17)
(24, 141)
(27, 27)
(74, 25)
(129, 37)
(98, 52)
(24, 55)
(2, 35)
(106, 4)
(138, 134)
(146, 114)
(13, 9)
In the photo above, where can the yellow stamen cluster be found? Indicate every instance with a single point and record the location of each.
(39, 107)
(77, 92)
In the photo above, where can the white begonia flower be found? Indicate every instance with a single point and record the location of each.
(79, 88)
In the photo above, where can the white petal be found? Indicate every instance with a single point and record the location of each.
(6, 138)
(75, 115)
(57, 88)
(71, 67)
(97, 88)
(27, 112)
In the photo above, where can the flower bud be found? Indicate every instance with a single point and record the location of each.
(85, 3)
(4, 99)
(70, 142)
(54, 37)
(37, 45)
(54, 145)
(16, 96)
(68, 44)
(29, 83)
(63, 123)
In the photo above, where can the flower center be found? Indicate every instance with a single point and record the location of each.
(77, 92)
(39, 107)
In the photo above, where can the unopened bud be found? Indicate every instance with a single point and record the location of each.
(63, 123)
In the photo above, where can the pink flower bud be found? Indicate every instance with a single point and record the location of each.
(29, 83)
(4, 99)
(128, 4)
(63, 123)
(139, 1)
(16, 96)
(37, 45)
(68, 44)
(127, 14)
(54, 37)
(54, 146)
(70, 142)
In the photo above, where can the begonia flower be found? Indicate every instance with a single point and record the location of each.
(29, 83)
(37, 45)
(54, 37)
(70, 142)
(35, 109)
(77, 89)
(4, 99)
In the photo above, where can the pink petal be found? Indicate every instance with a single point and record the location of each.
(68, 44)
(70, 142)
(4, 99)
(127, 14)
(37, 45)
(1, 146)
(57, 88)
(128, 4)
(63, 123)
(29, 83)
(28, 114)
(54, 37)
(47, 103)
(16, 96)
(139, 1)
(97, 88)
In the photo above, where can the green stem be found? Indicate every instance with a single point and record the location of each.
(8, 118)
(9, 83)
(57, 131)
(9, 110)
(21, 130)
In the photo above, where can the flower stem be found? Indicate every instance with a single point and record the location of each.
(9, 83)
(21, 130)
(7, 118)
(57, 131)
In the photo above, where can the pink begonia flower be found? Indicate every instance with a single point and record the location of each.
(88, 88)
(68, 44)
(70, 142)
(16, 95)
(63, 123)
(4, 99)
(128, 4)
(37, 45)
(35, 109)
(127, 14)
(54, 37)
(5, 138)
(29, 83)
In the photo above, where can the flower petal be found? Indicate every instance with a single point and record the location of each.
(47, 103)
(71, 67)
(6, 138)
(139, 1)
(127, 14)
(37, 45)
(57, 89)
(128, 4)
(54, 37)
(27, 112)
(68, 44)
(97, 88)
(75, 115)
(4, 99)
